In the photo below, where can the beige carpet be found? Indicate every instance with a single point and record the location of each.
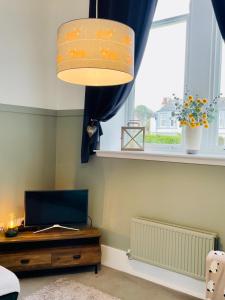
(69, 290)
(109, 281)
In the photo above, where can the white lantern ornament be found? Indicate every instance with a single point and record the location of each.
(132, 136)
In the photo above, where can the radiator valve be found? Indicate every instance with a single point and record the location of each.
(128, 253)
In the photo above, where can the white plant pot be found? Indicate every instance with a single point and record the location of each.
(192, 139)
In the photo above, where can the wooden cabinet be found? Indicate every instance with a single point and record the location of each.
(23, 261)
(76, 256)
(50, 250)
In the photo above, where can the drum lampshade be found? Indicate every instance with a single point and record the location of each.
(95, 52)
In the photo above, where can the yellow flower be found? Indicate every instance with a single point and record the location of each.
(191, 115)
(186, 105)
(205, 122)
(206, 126)
(198, 109)
(192, 120)
(204, 100)
(198, 124)
(192, 125)
(199, 100)
(182, 123)
(204, 116)
(190, 98)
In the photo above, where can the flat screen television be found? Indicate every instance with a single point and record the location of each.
(47, 208)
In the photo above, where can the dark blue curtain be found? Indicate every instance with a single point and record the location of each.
(102, 103)
(219, 8)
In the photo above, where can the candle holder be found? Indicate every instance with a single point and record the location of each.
(11, 232)
(11, 229)
(133, 136)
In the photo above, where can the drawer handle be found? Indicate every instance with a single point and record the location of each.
(78, 256)
(24, 261)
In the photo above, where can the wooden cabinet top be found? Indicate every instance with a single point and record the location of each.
(51, 235)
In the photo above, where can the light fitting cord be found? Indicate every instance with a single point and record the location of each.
(96, 10)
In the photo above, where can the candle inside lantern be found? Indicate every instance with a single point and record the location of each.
(11, 224)
(12, 229)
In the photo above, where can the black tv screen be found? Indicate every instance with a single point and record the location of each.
(47, 208)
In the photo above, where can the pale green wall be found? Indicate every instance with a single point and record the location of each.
(191, 195)
(27, 156)
(39, 151)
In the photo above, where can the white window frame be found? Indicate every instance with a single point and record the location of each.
(210, 136)
(202, 72)
(222, 125)
(217, 85)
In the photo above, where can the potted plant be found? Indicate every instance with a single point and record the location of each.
(194, 114)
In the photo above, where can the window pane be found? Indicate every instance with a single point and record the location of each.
(171, 8)
(221, 137)
(223, 71)
(161, 74)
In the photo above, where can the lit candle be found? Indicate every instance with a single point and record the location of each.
(12, 229)
(11, 224)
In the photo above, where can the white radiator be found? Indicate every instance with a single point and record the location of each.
(172, 247)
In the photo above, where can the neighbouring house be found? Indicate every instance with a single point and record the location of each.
(164, 121)
(166, 124)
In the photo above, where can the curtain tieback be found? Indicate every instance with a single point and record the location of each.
(94, 127)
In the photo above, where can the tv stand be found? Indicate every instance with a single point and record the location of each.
(55, 249)
(56, 226)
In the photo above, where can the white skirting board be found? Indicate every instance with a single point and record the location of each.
(117, 259)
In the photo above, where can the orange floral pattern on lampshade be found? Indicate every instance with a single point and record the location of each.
(127, 40)
(72, 35)
(108, 54)
(104, 34)
(74, 53)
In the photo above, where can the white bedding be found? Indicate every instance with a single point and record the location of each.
(9, 283)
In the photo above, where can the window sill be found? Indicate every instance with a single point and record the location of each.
(176, 157)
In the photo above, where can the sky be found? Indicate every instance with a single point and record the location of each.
(171, 8)
(162, 70)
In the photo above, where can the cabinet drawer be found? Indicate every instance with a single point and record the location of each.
(76, 256)
(24, 261)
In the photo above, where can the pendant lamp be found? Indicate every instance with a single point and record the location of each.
(95, 52)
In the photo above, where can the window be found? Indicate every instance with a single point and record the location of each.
(221, 113)
(183, 50)
(165, 120)
(179, 54)
(162, 73)
(171, 8)
(222, 86)
(222, 119)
